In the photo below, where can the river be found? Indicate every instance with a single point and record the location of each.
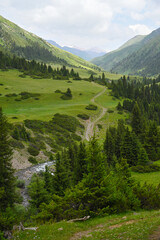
(26, 175)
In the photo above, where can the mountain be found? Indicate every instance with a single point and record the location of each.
(140, 55)
(18, 41)
(109, 60)
(85, 54)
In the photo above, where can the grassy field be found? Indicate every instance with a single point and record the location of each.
(131, 226)
(49, 102)
(150, 178)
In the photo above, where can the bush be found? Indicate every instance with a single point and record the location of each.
(16, 144)
(11, 95)
(146, 169)
(83, 116)
(91, 107)
(33, 150)
(32, 160)
(66, 122)
(120, 112)
(58, 91)
(20, 183)
(76, 137)
(110, 111)
(67, 95)
(99, 126)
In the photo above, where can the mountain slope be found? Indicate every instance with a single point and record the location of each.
(25, 44)
(140, 55)
(85, 54)
(110, 59)
(146, 60)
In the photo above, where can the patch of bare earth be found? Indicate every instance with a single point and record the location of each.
(20, 159)
(155, 235)
(122, 224)
(100, 228)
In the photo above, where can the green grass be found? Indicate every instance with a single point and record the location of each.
(133, 226)
(150, 178)
(49, 102)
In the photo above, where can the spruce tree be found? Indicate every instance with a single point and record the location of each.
(142, 157)
(136, 122)
(7, 180)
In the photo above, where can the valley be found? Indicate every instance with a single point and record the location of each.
(77, 141)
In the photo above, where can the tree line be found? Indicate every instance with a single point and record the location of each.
(36, 69)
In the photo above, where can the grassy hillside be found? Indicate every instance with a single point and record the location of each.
(37, 99)
(139, 56)
(133, 226)
(48, 102)
(108, 61)
(25, 44)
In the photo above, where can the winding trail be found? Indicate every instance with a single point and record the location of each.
(91, 123)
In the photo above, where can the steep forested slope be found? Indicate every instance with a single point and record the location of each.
(141, 56)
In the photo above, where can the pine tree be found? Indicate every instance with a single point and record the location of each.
(142, 157)
(7, 180)
(81, 166)
(136, 121)
(109, 147)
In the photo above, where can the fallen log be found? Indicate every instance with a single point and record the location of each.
(21, 227)
(79, 219)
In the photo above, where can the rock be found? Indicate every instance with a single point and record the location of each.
(124, 217)
(60, 229)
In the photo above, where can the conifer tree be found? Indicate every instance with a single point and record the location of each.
(136, 121)
(81, 165)
(142, 157)
(7, 181)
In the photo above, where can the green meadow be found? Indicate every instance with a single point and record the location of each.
(48, 102)
(133, 226)
(150, 178)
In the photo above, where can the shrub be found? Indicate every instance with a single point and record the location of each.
(32, 160)
(33, 150)
(67, 95)
(20, 183)
(66, 122)
(120, 112)
(83, 116)
(11, 95)
(91, 107)
(99, 126)
(146, 169)
(58, 91)
(16, 144)
(110, 111)
(76, 137)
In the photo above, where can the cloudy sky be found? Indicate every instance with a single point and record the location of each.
(105, 24)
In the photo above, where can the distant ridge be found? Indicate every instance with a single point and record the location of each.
(140, 55)
(85, 54)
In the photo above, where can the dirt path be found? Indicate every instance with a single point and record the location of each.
(100, 228)
(91, 123)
